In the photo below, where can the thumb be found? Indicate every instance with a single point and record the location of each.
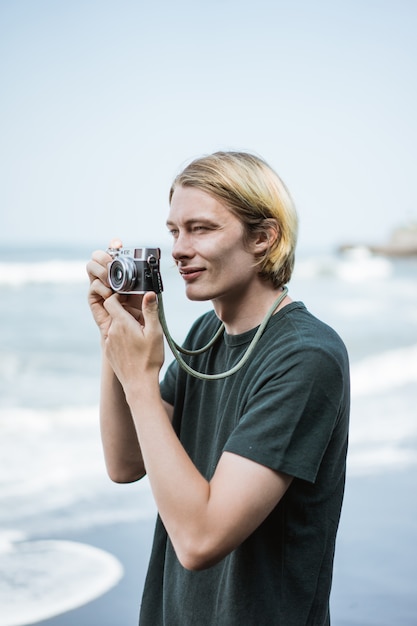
(150, 308)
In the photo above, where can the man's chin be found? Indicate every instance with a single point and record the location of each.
(195, 296)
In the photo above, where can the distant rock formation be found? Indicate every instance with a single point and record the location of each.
(402, 243)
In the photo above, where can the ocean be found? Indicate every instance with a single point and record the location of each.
(53, 483)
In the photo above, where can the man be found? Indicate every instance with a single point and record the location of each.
(247, 471)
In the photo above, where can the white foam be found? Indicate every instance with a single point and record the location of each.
(42, 579)
(383, 431)
(389, 370)
(355, 266)
(379, 459)
(360, 265)
(67, 472)
(45, 272)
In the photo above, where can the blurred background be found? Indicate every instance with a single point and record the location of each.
(102, 102)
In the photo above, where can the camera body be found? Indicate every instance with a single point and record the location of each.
(135, 270)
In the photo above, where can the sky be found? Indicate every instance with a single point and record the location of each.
(103, 101)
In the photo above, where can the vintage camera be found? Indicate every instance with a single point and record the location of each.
(135, 270)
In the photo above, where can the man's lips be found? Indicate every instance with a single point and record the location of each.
(188, 273)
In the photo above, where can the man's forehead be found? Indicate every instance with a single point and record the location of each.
(196, 207)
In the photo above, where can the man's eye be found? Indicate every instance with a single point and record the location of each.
(173, 232)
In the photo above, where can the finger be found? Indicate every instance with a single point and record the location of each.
(114, 307)
(116, 244)
(102, 257)
(96, 271)
(97, 266)
(97, 287)
(150, 311)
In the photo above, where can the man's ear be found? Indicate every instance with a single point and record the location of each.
(266, 235)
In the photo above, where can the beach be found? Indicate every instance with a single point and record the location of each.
(74, 546)
(130, 543)
(375, 568)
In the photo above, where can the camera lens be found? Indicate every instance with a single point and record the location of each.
(122, 274)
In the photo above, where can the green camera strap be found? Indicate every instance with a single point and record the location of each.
(176, 349)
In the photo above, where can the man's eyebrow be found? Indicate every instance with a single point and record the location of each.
(192, 221)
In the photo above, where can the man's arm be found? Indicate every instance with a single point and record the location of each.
(121, 447)
(205, 520)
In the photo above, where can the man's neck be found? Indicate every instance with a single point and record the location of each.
(247, 310)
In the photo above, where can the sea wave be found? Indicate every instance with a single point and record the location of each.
(383, 384)
(355, 266)
(358, 266)
(383, 372)
(383, 431)
(35, 501)
(44, 272)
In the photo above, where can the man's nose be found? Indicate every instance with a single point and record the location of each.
(182, 247)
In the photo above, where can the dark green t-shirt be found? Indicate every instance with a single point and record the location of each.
(288, 409)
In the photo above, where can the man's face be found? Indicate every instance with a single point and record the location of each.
(208, 247)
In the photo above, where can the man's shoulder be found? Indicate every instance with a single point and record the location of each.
(309, 327)
(299, 333)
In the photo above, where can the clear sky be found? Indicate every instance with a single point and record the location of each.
(102, 101)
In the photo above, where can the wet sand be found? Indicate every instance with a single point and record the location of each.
(131, 544)
(375, 575)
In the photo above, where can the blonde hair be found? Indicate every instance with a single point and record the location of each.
(254, 192)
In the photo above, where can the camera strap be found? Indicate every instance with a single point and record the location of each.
(155, 275)
(176, 349)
